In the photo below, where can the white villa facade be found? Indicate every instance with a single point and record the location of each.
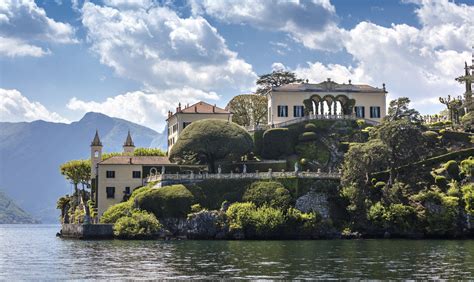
(326, 100)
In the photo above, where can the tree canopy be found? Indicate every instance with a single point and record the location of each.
(400, 109)
(275, 79)
(249, 109)
(77, 172)
(209, 140)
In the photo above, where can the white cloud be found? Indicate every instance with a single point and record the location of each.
(12, 47)
(147, 109)
(129, 3)
(420, 63)
(312, 23)
(15, 107)
(164, 51)
(26, 24)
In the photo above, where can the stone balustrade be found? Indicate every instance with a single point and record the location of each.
(253, 175)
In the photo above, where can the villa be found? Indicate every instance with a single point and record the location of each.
(327, 99)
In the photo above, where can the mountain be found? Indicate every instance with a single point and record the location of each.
(31, 153)
(12, 213)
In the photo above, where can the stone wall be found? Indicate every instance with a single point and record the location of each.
(87, 231)
(314, 202)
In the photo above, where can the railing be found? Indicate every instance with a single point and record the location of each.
(253, 175)
(308, 118)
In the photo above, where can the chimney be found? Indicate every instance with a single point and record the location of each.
(179, 106)
(214, 108)
(383, 86)
(329, 79)
(350, 81)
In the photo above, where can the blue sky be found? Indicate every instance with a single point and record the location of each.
(135, 59)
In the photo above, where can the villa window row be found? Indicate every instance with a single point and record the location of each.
(298, 111)
(110, 191)
(111, 174)
(360, 111)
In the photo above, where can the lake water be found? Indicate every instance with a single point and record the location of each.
(33, 252)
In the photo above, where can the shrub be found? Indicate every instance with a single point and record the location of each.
(299, 223)
(468, 197)
(258, 142)
(309, 127)
(441, 181)
(360, 122)
(139, 191)
(270, 193)
(431, 136)
(196, 208)
(170, 201)
(115, 212)
(467, 167)
(307, 136)
(379, 184)
(138, 225)
(452, 168)
(316, 151)
(240, 215)
(376, 215)
(276, 143)
(148, 152)
(463, 137)
(268, 221)
(439, 212)
(401, 218)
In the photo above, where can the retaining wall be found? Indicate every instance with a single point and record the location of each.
(87, 231)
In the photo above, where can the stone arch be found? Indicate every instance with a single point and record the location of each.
(329, 99)
(343, 99)
(153, 171)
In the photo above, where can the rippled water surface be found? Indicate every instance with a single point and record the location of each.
(33, 252)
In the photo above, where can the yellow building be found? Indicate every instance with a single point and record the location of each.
(184, 116)
(327, 99)
(115, 178)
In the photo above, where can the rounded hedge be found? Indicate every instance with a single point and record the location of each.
(452, 168)
(308, 136)
(276, 143)
(138, 225)
(115, 212)
(167, 202)
(309, 127)
(430, 135)
(379, 184)
(269, 193)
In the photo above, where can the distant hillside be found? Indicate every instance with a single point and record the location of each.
(31, 152)
(11, 213)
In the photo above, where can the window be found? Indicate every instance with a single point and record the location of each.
(137, 174)
(175, 128)
(127, 190)
(110, 174)
(110, 192)
(283, 111)
(360, 111)
(298, 111)
(374, 112)
(186, 124)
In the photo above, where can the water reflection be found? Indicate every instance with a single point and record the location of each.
(32, 252)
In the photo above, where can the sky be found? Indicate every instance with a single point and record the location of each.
(136, 59)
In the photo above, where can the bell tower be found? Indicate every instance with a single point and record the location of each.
(96, 154)
(128, 146)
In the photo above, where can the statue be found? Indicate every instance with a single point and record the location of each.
(219, 169)
(297, 167)
(163, 170)
(244, 168)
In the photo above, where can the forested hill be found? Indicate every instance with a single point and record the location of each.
(11, 213)
(31, 152)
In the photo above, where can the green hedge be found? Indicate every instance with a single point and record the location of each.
(308, 136)
(269, 193)
(276, 143)
(169, 201)
(138, 225)
(257, 137)
(457, 136)
(310, 127)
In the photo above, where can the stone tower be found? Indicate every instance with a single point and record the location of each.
(96, 154)
(128, 146)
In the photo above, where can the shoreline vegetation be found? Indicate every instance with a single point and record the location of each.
(407, 177)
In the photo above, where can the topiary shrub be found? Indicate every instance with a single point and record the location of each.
(431, 136)
(463, 137)
(270, 193)
(170, 201)
(441, 181)
(316, 151)
(379, 184)
(309, 127)
(258, 142)
(138, 225)
(452, 168)
(115, 212)
(276, 143)
(307, 136)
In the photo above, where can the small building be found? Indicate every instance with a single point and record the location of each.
(325, 100)
(184, 116)
(115, 178)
